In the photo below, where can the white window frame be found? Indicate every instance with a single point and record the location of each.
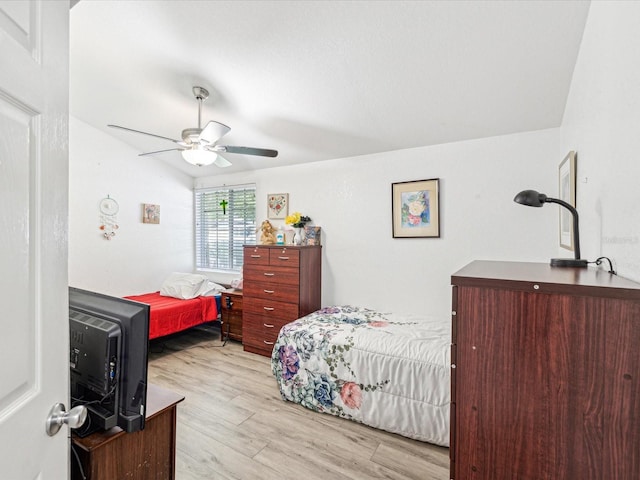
(220, 236)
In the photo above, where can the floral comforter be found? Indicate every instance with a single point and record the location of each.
(384, 370)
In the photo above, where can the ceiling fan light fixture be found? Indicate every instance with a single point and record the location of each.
(199, 156)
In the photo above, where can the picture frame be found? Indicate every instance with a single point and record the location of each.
(415, 208)
(150, 213)
(277, 205)
(567, 193)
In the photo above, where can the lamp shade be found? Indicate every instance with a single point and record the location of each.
(531, 198)
(199, 156)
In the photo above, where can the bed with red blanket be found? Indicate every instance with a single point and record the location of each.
(171, 315)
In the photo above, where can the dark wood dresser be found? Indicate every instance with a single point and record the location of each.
(545, 373)
(281, 284)
(231, 314)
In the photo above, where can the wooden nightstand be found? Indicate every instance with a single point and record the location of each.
(231, 315)
(149, 453)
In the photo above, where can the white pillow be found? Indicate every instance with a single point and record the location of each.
(183, 285)
(210, 289)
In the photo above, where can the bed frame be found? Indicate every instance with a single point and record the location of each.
(170, 315)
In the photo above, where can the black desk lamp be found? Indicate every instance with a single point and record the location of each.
(532, 198)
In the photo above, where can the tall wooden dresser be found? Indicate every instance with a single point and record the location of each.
(545, 373)
(281, 284)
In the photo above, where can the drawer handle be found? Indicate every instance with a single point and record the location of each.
(269, 291)
(283, 258)
(269, 309)
(269, 274)
(267, 325)
(256, 256)
(268, 343)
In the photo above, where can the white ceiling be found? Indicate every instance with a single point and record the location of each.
(320, 80)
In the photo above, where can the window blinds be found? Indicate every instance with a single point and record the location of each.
(225, 221)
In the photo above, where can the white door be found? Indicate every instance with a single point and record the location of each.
(34, 328)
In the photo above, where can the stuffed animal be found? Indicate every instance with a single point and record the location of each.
(267, 237)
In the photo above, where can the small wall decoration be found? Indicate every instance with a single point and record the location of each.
(415, 209)
(108, 217)
(277, 205)
(150, 213)
(567, 192)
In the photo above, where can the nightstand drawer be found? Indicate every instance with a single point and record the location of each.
(231, 314)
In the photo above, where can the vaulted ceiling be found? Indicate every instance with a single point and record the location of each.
(320, 80)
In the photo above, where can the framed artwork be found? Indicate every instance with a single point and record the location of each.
(567, 192)
(150, 213)
(415, 209)
(277, 205)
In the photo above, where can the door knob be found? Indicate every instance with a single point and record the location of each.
(58, 415)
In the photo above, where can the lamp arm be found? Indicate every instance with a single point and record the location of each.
(574, 212)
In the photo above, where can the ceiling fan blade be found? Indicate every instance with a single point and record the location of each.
(213, 131)
(221, 162)
(160, 151)
(144, 133)
(262, 152)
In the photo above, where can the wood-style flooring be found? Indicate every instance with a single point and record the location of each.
(233, 424)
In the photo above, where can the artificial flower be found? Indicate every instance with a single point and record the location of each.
(296, 220)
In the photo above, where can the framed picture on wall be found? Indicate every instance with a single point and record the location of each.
(277, 205)
(150, 213)
(415, 209)
(567, 192)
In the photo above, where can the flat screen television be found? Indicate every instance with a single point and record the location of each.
(109, 341)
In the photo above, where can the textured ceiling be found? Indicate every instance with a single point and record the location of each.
(320, 80)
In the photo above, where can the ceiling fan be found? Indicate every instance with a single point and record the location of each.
(199, 145)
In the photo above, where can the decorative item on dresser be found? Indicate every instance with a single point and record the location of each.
(544, 378)
(281, 284)
(231, 315)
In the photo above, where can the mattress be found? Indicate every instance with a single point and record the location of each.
(170, 315)
(385, 370)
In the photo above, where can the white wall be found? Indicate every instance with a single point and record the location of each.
(141, 255)
(602, 123)
(351, 200)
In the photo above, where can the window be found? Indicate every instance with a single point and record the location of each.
(225, 221)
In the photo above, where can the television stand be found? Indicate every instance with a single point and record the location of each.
(149, 453)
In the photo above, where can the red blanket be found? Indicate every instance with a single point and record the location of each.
(170, 315)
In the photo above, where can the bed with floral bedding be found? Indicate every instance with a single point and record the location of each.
(385, 370)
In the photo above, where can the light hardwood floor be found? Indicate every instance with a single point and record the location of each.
(233, 423)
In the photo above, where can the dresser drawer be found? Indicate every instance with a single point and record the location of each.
(260, 333)
(267, 273)
(288, 257)
(271, 309)
(273, 291)
(256, 256)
